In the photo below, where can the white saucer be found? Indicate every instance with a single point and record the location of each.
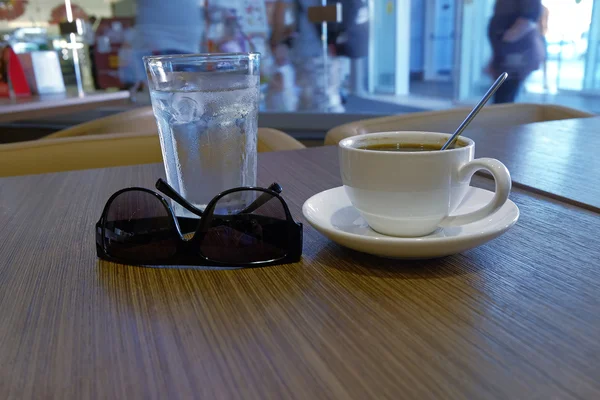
(331, 213)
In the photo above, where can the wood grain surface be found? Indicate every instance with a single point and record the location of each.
(516, 318)
(556, 158)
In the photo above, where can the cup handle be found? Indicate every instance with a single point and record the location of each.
(503, 186)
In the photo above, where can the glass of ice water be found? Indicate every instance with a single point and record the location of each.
(206, 108)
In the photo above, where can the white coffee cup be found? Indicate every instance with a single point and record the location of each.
(411, 194)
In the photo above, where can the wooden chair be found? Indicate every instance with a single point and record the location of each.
(102, 151)
(141, 120)
(137, 120)
(447, 120)
(128, 138)
(81, 152)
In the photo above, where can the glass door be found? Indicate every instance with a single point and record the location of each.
(472, 49)
(567, 38)
(591, 81)
(412, 49)
(571, 72)
(389, 47)
(439, 39)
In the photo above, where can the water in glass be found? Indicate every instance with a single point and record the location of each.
(208, 132)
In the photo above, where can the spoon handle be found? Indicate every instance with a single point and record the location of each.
(475, 110)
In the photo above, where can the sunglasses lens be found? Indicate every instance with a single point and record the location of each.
(138, 227)
(254, 231)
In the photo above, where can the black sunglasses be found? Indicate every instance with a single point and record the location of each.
(246, 226)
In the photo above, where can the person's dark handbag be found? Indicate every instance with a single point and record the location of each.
(518, 58)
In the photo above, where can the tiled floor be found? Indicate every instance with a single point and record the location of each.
(438, 92)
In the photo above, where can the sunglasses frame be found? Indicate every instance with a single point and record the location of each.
(187, 251)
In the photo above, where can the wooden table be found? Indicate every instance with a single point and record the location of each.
(45, 105)
(557, 158)
(516, 318)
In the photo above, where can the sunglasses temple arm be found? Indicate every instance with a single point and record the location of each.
(165, 188)
(262, 199)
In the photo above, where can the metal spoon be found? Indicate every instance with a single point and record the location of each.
(475, 110)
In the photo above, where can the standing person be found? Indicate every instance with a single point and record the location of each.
(4, 60)
(89, 38)
(281, 90)
(320, 83)
(166, 27)
(516, 44)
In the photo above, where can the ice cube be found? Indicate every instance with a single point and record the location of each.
(185, 109)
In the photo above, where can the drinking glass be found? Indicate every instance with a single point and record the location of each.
(206, 108)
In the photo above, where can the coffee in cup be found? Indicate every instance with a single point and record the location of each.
(403, 184)
(407, 147)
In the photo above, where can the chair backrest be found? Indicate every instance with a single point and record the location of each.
(105, 150)
(141, 120)
(138, 120)
(83, 152)
(501, 115)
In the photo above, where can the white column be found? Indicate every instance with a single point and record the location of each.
(372, 54)
(592, 57)
(463, 53)
(402, 76)
(73, 43)
(429, 70)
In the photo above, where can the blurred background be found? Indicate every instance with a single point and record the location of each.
(405, 55)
